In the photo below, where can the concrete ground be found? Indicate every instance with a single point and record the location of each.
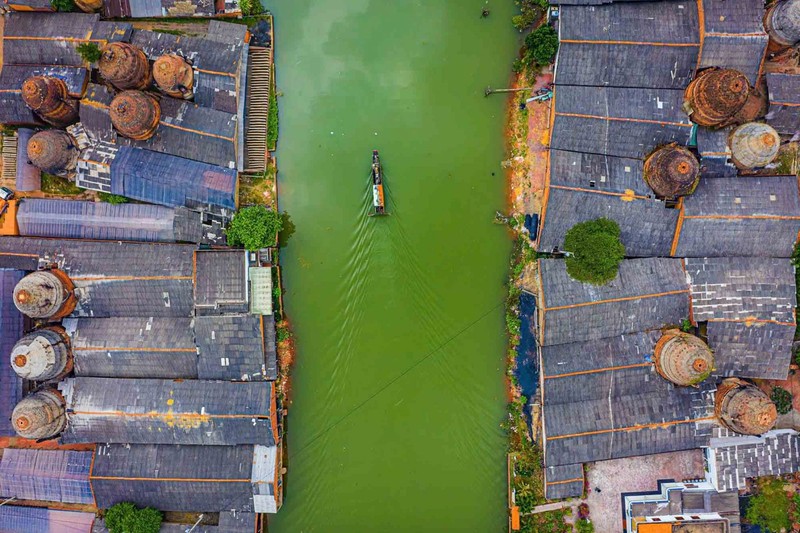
(634, 474)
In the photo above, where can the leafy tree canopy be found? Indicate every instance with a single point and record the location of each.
(254, 228)
(63, 5)
(127, 518)
(782, 399)
(595, 251)
(541, 46)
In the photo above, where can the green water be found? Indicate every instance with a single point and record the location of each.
(398, 387)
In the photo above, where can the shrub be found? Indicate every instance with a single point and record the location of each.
(595, 251)
(127, 518)
(63, 5)
(583, 511)
(686, 325)
(111, 198)
(250, 7)
(769, 509)
(782, 399)
(89, 52)
(254, 228)
(584, 526)
(283, 334)
(530, 11)
(272, 120)
(541, 46)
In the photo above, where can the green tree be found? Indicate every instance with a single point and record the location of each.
(111, 198)
(584, 526)
(63, 5)
(541, 46)
(769, 508)
(595, 251)
(125, 517)
(89, 51)
(254, 228)
(782, 399)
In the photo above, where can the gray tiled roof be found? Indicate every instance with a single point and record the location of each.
(740, 52)
(221, 281)
(611, 50)
(103, 298)
(600, 172)
(751, 350)
(40, 38)
(732, 216)
(624, 122)
(715, 156)
(154, 411)
(231, 347)
(776, 453)
(99, 258)
(742, 289)
(784, 89)
(604, 400)
(647, 293)
(646, 226)
(563, 482)
(150, 475)
(133, 347)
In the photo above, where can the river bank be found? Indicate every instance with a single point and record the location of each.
(527, 135)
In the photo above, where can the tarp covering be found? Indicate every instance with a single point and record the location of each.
(172, 181)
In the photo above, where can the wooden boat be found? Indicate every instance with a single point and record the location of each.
(378, 202)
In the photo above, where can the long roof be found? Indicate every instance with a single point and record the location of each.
(647, 293)
(153, 411)
(603, 400)
(11, 329)
(47, 475)
(176, 478)
(172, 181)
(129, 347)
(727, 217)
(19, 519)
(75, 219)
(784, 102)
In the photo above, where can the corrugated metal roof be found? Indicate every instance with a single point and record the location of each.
(47, 475)
(75, 219)
(29, 178)
(11, 329)
(260, 290)
(172, 181)
(17, 519)
(150, 411)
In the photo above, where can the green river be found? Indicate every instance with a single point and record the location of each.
(398, 389)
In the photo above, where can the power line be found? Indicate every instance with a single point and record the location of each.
(395, 379)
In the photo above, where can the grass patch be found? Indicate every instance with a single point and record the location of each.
(57, 185)
(769, 508)
(111, 198)
(169, 31)
(272, 119)
(259, 190)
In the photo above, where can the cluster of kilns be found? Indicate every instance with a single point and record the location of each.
(135, 112)
(721, 98)
(715, 98)
(44, 356)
